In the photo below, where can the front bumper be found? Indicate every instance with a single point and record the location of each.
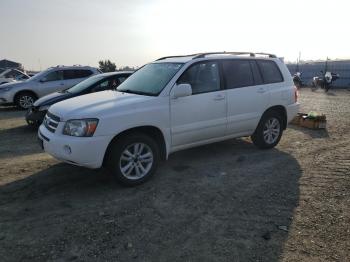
(35, 117)
(81, 151)
(6, 97)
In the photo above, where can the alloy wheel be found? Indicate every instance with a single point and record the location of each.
(271, 131)
(136, 161)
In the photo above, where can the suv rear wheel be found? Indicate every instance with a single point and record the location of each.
(25, 100)
(133, 159)
(269, 131)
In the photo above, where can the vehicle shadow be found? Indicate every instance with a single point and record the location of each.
(222, 202)
(313, 133)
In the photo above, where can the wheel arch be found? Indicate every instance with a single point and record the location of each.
(281, 110)
(24, 91)
(152, 131)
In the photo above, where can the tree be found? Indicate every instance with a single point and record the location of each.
(126, 68)
(107, 66)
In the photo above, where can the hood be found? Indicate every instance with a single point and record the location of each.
(53, 98)
(96, 104)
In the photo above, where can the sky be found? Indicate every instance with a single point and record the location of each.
(43, 33)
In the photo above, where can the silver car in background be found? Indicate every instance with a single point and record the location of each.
(12, 75)
(53, 79)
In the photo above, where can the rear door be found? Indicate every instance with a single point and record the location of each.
(74, 76)
(247, 96)
(280, 92)
(202, 115)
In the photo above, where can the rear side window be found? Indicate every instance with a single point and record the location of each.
(76, 73)
(256, 73)
(83, 73)
(237, 73)
(270, 72)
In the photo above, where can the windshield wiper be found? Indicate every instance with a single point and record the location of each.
(136, 92)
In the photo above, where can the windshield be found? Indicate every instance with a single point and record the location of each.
(150, 79)
(85, 84)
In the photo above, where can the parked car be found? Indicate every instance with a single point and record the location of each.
(96, 83)
(54, 79)
(172, 104)
(12, 75)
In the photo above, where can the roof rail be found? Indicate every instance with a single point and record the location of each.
(202, 55)
(174, 56)
(252, 54)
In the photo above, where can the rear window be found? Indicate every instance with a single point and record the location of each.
(76, 73)
(238, 73)
(270, 72)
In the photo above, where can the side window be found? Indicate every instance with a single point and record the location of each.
(113, 83)
(203, 77)
(101, 86)
(270, 72)
(53, 76)
(76, 73)
(237, 73)
(83, 73)
(122, 79)
(256, 73)
(69, 74)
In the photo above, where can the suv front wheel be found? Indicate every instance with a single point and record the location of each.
(269, 131)
(133, 159)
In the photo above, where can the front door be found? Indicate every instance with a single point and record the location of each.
(202, 115)
(52, 82)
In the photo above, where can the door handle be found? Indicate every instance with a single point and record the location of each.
(261, 90)
(219, 97)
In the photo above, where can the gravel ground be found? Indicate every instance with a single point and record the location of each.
(223, 202)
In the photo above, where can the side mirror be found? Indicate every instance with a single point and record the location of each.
(42, 80)
(182, 90)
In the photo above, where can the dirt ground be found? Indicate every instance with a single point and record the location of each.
(223, 202)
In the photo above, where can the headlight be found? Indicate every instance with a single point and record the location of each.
(44, 108)
(80, 127)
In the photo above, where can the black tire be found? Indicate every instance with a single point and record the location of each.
(24, 96)
(258, 137)
(114, 161)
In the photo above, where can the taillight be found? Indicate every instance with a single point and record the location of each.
(296, 94)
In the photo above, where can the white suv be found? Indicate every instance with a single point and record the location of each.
(172, 104)
(54, 79)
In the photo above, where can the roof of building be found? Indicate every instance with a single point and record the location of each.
(7, 63)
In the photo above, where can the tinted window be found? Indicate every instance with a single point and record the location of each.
(238, 73)
(53, 76)
(83, 73)
(270, 72)
(122, 79)
(203, 77)
(104, 85)
(76, 73)
(256, 73)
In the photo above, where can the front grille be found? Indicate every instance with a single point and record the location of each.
(51, 122)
